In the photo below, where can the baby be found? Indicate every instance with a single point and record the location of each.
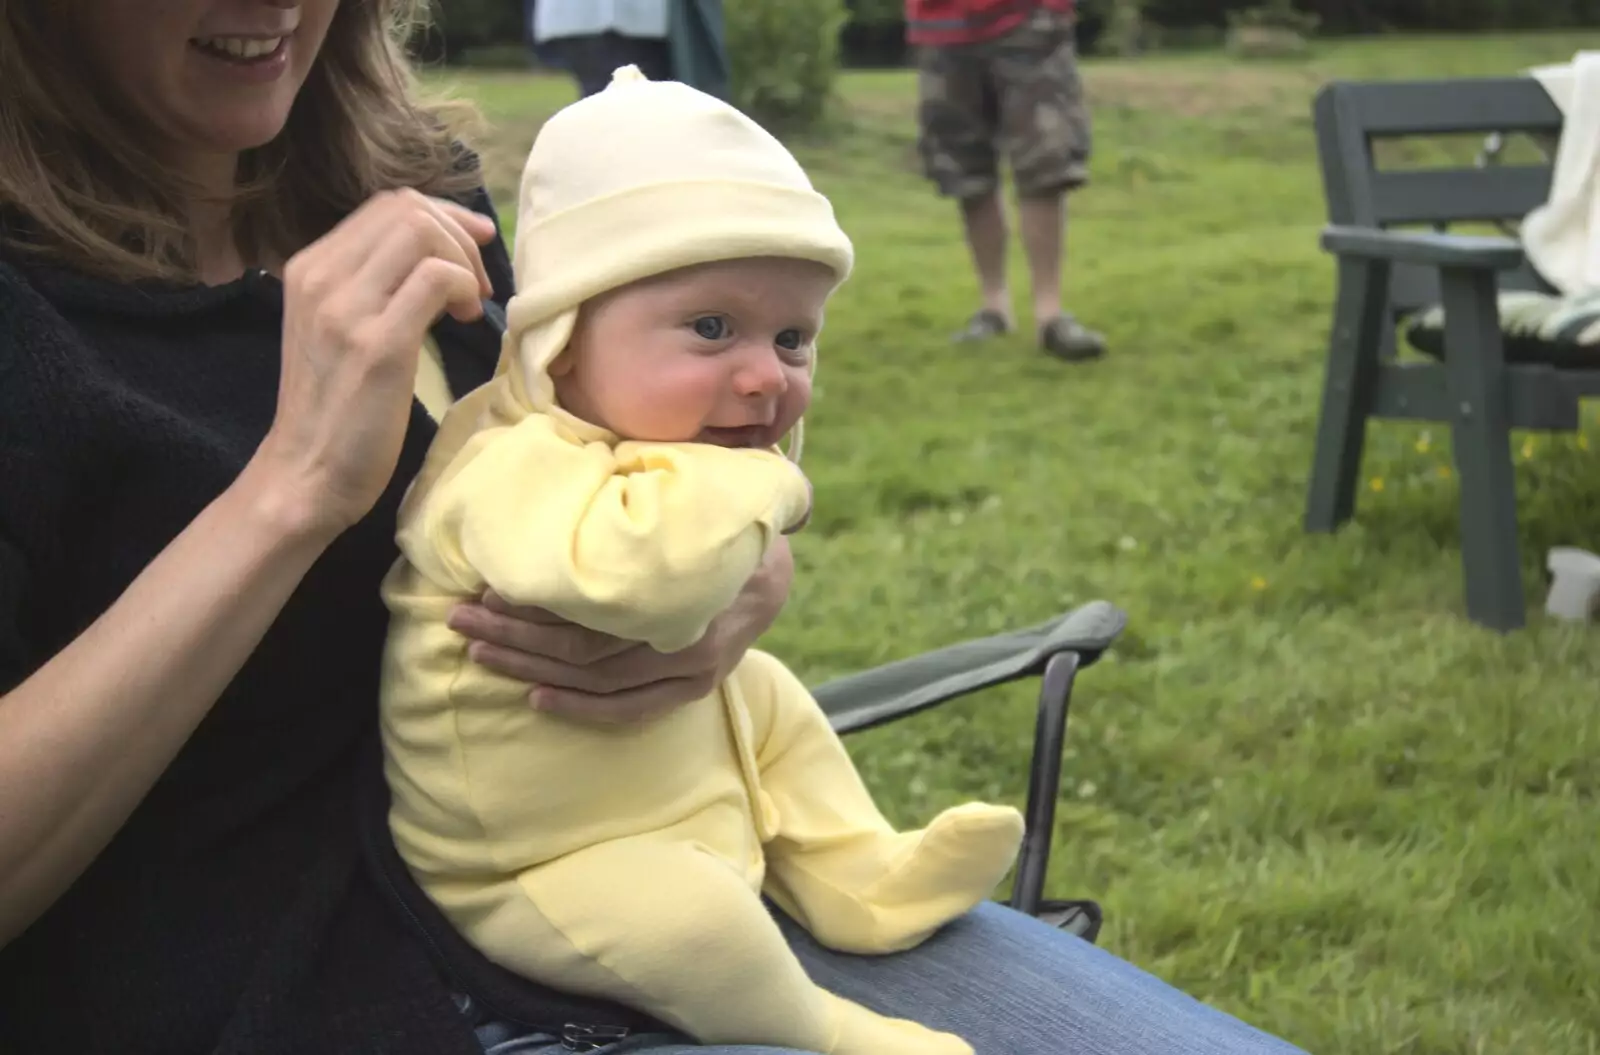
(622, 470)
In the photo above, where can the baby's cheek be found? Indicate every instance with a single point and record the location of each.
(668, 412)
(799, 385)
(794, 402)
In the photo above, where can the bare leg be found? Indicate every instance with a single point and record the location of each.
(1041, 221)
(1045, 130)
(985, 222)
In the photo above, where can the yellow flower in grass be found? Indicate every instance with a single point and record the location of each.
(1258, 584)
(1424, 443)
(1376, 484)
(1527, 449)
(1443, 471)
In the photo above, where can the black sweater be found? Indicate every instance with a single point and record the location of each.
(232, 913)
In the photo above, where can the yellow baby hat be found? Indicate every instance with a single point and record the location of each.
(639, 179)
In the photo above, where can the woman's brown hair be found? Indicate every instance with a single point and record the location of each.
(77, 187)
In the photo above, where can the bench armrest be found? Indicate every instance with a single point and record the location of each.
(1423, 247)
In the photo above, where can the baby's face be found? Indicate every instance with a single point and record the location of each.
(719, 353)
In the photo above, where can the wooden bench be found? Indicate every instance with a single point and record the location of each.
(1473, 382)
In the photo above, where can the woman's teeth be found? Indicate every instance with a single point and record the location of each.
(240, 47)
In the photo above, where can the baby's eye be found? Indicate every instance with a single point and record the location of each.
(711, 327)
(794, 346)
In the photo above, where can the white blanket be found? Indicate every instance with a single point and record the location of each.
(1562, 237)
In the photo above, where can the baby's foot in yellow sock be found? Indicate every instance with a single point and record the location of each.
(893, 894)
(963, 854)
(863, 1032)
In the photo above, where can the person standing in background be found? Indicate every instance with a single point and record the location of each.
(669, 40)
(1001, 76)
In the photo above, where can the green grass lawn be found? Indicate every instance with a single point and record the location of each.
(1306, 789)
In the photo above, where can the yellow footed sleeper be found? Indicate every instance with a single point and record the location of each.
(629, 862)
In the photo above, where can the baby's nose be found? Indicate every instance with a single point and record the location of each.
(761, 374)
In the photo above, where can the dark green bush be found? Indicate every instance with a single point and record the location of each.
(783, 56)
(1333, 16)
(875, 34)
(460, 25)
(1366, 16)
(876, 12)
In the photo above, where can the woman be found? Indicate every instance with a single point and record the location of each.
(226, 228)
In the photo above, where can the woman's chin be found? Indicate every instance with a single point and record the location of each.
(223, 129)
(252, 131)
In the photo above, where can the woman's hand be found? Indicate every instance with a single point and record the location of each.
(590, 677)
(358, 304)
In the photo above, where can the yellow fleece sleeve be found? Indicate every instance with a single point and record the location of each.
(645, 541)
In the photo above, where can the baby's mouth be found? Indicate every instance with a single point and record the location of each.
(758, 436)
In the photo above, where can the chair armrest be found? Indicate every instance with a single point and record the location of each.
(905, 687)
(1054, 650)
(1423, 247)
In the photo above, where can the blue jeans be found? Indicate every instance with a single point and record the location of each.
(1007, 983)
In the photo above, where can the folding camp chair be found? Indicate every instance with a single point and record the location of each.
(1053, 651)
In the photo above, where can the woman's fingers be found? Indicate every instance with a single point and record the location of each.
(434, 285)
(469, 230)
(374, 248)
(624, 708)
(527, 613)
(411, 238)
(358, 304)
(481, 227)
(606, 678)
(541, 634)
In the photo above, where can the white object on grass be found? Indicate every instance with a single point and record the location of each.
(1575, 584)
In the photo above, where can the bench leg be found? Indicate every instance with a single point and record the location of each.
(1358, 321)
(1475, 376)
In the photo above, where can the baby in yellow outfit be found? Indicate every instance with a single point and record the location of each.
(622, 470)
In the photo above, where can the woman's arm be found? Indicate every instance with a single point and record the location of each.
(86, 735)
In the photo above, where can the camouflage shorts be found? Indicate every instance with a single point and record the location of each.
(1018, 95)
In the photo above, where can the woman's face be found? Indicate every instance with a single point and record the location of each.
(209, 77)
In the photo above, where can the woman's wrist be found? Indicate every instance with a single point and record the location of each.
(285, 516)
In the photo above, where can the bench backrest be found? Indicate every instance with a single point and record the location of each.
(1351, 117)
